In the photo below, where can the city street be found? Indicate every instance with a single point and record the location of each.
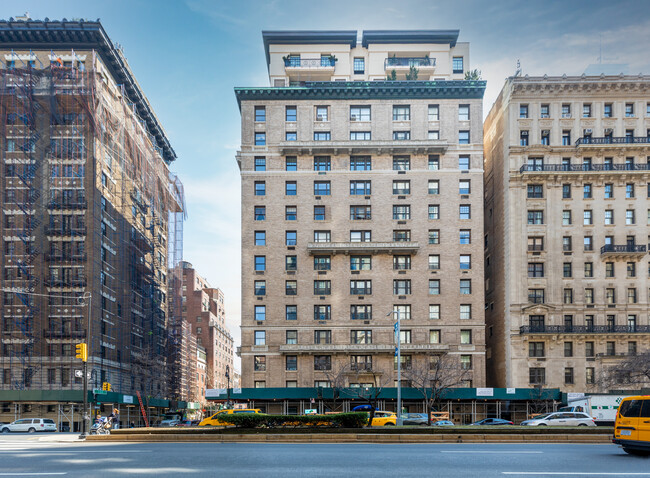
(29, 455)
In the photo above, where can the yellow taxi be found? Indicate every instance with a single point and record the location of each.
(632, 428)
(383, 418)
(214, 421)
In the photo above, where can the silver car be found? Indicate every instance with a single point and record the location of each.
(30, 425)
(562, 419)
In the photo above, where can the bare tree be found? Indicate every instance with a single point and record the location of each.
(336, 377)
(633, 372)
(371, 383)
(434, 378)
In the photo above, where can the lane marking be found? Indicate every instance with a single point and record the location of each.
(34, 474)
(497, 452)
(572, 473)
(69, 452)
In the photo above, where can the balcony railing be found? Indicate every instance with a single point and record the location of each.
(581, 168)
(584, 329)
(623, 249)
(361, 366)
(66, 231)
(323, 62)
(408, 62)
(587, 140)
(369, 247)
(64, 334)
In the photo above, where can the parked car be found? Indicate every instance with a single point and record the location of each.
(188, 423)
(443, 423)
(561, 419)
(30, 425)
(493, 421)
(213, 421)
(419, 419)
(384, 418)
(169, 423)
(632, 429)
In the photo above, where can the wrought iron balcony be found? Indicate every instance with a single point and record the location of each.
(584, 329)
(322, 62)
(581, 168)
(408, 62)
(623, 250)
(588, 140)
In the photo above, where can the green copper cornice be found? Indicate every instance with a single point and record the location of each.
(350, 90)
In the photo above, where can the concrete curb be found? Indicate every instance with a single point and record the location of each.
(351, 438)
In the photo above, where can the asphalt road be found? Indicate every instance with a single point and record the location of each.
(29, 455)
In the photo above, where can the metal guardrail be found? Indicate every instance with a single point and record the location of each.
(309, 63)
(623, 249)
(581, 168)
(587, 140)
(417, 62)
(584, 329)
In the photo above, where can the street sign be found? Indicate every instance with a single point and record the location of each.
(78, 373)
(99, 391)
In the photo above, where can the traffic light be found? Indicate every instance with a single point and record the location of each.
(106, 386)
(82, 352)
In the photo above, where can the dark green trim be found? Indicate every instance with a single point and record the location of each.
(348, 90)
(410, 36)
(388, 394)
(64, 396)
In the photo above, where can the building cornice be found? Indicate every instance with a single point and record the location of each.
(355, 90)
(553, 85)
(86, 35)
(410, 36)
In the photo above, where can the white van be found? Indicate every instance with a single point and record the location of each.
(30, 425)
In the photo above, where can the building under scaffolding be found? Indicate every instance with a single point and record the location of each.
(92, 222)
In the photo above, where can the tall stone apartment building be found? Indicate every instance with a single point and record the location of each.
(567, 214)
(91, 219)
(361, 196)
(203, 309)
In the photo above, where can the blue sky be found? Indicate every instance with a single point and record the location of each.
(189, 54)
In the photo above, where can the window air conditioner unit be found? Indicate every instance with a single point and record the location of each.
(524, 133)
(589, 131)
(609, 130)
(354, 118)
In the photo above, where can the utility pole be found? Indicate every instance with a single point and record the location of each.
(228, 388)
(82, 353)
(398, 353)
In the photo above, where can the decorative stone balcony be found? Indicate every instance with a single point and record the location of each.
(334, 348)
(623, 251)
(583, 329)
(361, 147)
(363, 247)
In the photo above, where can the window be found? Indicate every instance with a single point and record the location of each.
(321, 188)
(290, 313)
(586, 110)
(401, 113)
(434, 236)
(360, 163)
(465, 337)
(322, 312)
(260, 139)
(589, 269)
(536, 349)
(291, 238)
(586, 191)
(291, 163)
(319, 213)
(290, 213)
(322, 287)
(465, 262)
(434, 163)
(610, 295)
(322, 136)
(631, 295)
(546, 137)
(404, 187)
(322, 263)
(588, 243)
(260, 287)
(544, 111)
(434, 262)
(568, 375)
(457, 64)
(260, 263)
(463, 163)
(523, 111)
(260, 188)
(434, 312)
(587, 217)
(359, 113)
(360, 263)
(260, 238)
(322, 236)
(260, 312)
(567, 296)
(361, 337)
(536, 296)
(291, 113)
(464, 211)
(291, 136)
(359, 65)
(290, 263)
(360, 236)
(401, 212)
(360, 312)
(463, 112)
(322, 113)
(535, 191)
(360, 287)
(291, 362)
(290, 188)
(537, 375)
(401, 235)
(535, 243)
(566, 138)
(536, 269)
(463, 137)
(629, 110)
(260, 163)
(523, 138)
(360, 188)
(629, 217)
(433, 134)
(434, 113)
(401, 286)
(566, 218)
(322, 163)
(360, 136)
(260, 363)
(607, 112)
(609, 191)
(434, 211)
(629, 191)
(465, 286)
(404, 311)
(465, 236)
(589, 296)
(260, 114)
(401, 263)
(260, 384)
(566, 191)
(323, 362)
(360, 213)
(401, 163)
(466, 362)
(631, 269)
(260, 337)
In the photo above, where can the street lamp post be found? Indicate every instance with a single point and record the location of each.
(228, 389)
(85, 417)
(398, 420)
